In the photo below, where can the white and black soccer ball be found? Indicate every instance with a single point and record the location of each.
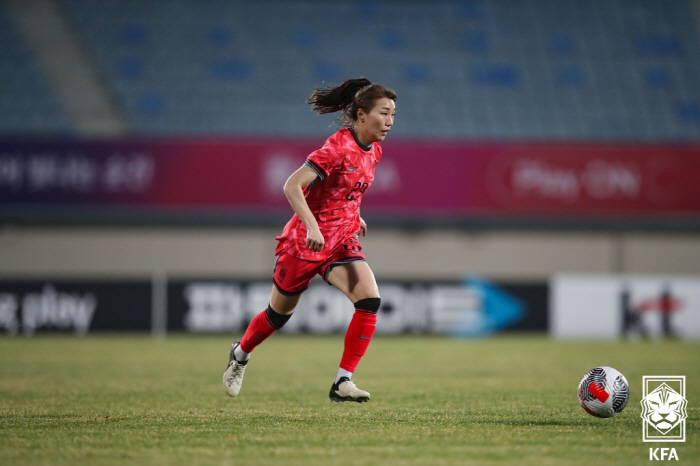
(603, 392)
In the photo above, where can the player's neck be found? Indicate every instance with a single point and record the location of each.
(359, 138)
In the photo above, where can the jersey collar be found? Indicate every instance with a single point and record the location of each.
(357, 140)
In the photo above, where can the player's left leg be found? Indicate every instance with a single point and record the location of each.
(356, 281)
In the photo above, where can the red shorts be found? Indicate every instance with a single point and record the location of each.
(292, 275)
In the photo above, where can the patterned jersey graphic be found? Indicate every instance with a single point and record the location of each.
(345, 171)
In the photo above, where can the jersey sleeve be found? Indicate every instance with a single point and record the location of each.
(326, 159)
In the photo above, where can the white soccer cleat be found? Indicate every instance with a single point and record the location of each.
(233, 375)
(345, 390)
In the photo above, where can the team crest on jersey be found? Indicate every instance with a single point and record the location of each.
(281, 273)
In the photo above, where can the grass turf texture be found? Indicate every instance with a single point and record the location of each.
(111, 399)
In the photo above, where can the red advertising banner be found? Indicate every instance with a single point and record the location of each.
(414, 178)
(590, 178)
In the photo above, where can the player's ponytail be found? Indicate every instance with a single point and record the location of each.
(349, 97)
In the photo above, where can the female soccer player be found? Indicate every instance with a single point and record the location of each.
(322, 236)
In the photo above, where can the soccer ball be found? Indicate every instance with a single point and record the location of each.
(603, 392)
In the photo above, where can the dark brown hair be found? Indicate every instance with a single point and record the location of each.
(348, 98)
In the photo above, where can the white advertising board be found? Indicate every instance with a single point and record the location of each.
(611, 306)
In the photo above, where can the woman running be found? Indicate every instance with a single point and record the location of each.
(322, 236)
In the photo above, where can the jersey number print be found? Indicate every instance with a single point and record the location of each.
(358, 187)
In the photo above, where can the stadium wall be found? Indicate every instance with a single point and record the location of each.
(431, 253)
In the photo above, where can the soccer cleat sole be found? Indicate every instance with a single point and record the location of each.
(339, 399)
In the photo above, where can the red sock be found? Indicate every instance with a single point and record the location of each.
(259, 329)
(357, 338)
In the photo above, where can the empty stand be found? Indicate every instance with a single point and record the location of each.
(526, 70)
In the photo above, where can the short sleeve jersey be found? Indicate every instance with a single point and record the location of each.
(345, 169)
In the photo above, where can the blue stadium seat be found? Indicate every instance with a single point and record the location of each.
(475, 42)
(689, 111)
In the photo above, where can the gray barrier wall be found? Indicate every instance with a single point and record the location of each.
(515, 255)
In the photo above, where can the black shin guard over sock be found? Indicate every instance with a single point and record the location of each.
(276, 319)
(369, 304)
(261, 327)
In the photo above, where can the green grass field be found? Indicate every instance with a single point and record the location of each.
(113, 399)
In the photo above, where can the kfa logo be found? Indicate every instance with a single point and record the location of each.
(664, 408)
(661, 454)
(664, 413)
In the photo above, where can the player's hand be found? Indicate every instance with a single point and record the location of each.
(363, 227)
(314, 239)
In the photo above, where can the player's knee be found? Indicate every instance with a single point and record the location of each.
(369, 304)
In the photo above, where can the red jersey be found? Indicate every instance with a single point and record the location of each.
(345, 169)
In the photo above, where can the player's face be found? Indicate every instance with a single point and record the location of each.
(377, 123)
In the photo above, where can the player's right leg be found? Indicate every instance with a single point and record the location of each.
(291, 277)
(260, 328)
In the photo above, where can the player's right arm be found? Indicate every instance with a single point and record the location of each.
(294, 190)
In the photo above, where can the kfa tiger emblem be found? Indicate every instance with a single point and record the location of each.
(664, 409)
